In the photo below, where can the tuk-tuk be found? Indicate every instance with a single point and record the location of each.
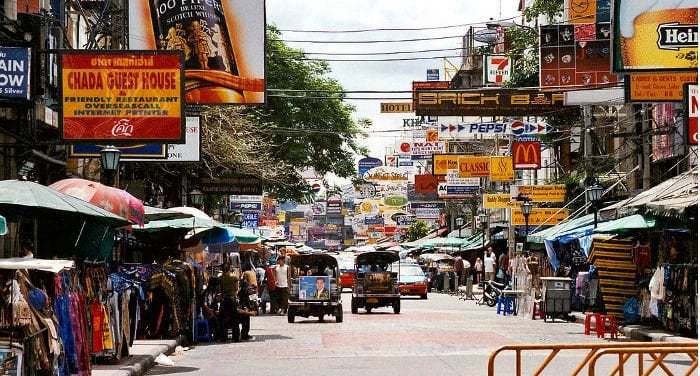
(314, 288)
(376, 285)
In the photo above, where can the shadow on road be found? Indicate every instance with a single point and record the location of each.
(166, 370)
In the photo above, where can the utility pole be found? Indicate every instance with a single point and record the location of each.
(646, 148)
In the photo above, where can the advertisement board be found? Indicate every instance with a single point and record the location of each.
(233, 185)
(446, 190)
(526, 155)
(575, 55)
(501, 169)
(395, 108)
(385, 175)
(522, 128)
(473, 167)
(444, 162)
(432, 74)
(497, 69)
(367, 163)
(122, 96)
(187, 152)
(541, 193)
(223, 42)
(499, 201)
(15, 72)
(427, 210)
(652, 35)
(657, 87)
(691, 111)
(539, 216)
(464, 130)
(487, 102)
(420, 149)
(314, 288)
(245, 206)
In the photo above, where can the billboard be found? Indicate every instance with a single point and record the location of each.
(122, 96)
(223, 42)
(526, 155)
(501, 169)
(474, 167)
(497, 69)
(657, 87)
(653, 35)
(691, 95)
(575, 55)
(487, 102)
(15, 72)
(539, 216)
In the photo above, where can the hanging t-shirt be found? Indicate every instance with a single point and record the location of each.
(642, 258)
(97, 317)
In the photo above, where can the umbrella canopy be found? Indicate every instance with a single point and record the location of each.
(225, 235)
(111, 199)
(25, 198)
(158, 214)
(192, 223)
(194, 212)
(3, 226)
(632, 222)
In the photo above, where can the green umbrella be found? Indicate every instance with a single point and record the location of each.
(3, 226)
(29, 198)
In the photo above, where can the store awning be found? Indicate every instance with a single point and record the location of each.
(632, 222)
(564, 227)
(53, 266)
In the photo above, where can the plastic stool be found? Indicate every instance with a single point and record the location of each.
(537, 311)
(607, 325)
(202, 333)
(587, 322)
(506, 305)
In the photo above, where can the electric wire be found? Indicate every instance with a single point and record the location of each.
(398, 28)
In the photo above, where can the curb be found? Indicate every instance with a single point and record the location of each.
(642, 333)
(142, 358)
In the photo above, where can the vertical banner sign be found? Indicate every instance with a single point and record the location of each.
(15, 69)
(497, 69)
(526, 155)
(223, 42)
(501, 169)
(653, 35)
(692, 113)
(474, 167)
(122, 96)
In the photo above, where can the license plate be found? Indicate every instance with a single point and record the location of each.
(405, 289)
(372, 300)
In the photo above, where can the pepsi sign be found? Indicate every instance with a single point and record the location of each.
(519, 127)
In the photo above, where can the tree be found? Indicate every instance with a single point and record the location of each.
(417, 230)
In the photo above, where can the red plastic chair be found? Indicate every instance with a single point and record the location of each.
(537, 310)
(587, 322)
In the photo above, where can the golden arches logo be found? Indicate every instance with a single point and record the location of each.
(526, 154)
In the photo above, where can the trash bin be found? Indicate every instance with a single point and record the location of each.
(556, 295)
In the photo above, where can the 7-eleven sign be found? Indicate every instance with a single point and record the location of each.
(497, 69)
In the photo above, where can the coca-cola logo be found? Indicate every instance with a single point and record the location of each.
(122, 128)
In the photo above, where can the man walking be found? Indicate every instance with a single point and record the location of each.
(282, 285)
(490, 266)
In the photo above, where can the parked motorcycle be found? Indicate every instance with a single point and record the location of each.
(492, 291)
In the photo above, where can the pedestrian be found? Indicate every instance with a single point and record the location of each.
(503, 264)
(229, 295)
(244, 310)
(282, 285)
(459, 270)
(479, 268)
(490, 266)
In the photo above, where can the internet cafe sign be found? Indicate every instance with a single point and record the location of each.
(487, 102)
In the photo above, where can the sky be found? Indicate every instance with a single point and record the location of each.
(395, 75)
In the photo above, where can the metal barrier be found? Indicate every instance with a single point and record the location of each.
(593, 350)
(657, 354)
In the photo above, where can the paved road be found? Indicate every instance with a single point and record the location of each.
(441, 335)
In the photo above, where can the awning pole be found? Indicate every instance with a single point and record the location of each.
(79, 234)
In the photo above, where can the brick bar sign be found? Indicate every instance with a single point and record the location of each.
(122, 96)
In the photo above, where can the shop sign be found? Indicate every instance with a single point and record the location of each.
(233, 185)
(366, 190)
(432, 74)
(426, 183)
(497, 69)
(501, 169)
(334, 207)
(431, 135)
(223, 42)
(245, 198)
(251, 220)
(541, 193)
(657, 87)
(651, 35)
(395, 201)
(427, 210)
(368, 207)
(367, 163)
(246, 206)
(318, 208)
(453, 177)
(446, 190)
(385, 175)
(444, 162)
(15, 72)
(487, 102)
(378, 220)
(526, 155)
(499, 201)
(405, 220)
(391, 160)
(393, 108)
(405, 162)
(141, 152)
(539, 216)
(580, 11)
(691, 95)
(575, 55)
(470, 167)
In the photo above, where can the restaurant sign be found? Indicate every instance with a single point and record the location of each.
(539, 216)
(541, 193)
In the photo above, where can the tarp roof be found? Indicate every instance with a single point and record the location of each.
(548, 233)
(669, 198)
(632, 222)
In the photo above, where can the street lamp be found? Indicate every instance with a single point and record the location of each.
(460, 222)
(594, 194)
(483, 221)
(109, 157)
(526, 208)
(196, 197)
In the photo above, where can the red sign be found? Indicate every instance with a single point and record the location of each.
(526, 155)
(426, 183)
(122, 96)
(692, 98)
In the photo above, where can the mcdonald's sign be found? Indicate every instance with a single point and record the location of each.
(526, 155)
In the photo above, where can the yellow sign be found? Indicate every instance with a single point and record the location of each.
(542, 193)
(396, 107)
(580, 11)
(539, 216)
(445, 162)
(499, 201)
(502, 169)
(281, 216)
(655, 87)
(473, 167)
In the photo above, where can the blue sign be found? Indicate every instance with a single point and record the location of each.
(246, 206)
(461, 189)
(14, 72)
(374, 220)
(250, 220)
(315, 287)
(432, 74)
(142, 151)
(368, 163)
(427, 205)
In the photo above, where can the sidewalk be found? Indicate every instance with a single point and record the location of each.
(642, 333)
(143, 354)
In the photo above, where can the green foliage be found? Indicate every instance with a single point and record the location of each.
(551, 9)
(417, 230)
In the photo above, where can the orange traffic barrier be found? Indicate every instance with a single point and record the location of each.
(657, 354)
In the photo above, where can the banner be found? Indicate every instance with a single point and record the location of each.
(499, 201)
(575, 55)
(657, 87)
(538, 216)
(471, 167)
(526, 155)
(501, 169)
(444, 162)
(223, 42)
(122, 96)
(541, 193)
(487, 102)
(653, 35)
(691, 95)
(497, 69)
(15, 72)
(392, 108)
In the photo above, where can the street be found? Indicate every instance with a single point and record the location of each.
(441, 335)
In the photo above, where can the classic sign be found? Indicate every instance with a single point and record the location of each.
(470, 167)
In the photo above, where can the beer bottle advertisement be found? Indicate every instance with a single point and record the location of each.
(655, 35)
(222, 42)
